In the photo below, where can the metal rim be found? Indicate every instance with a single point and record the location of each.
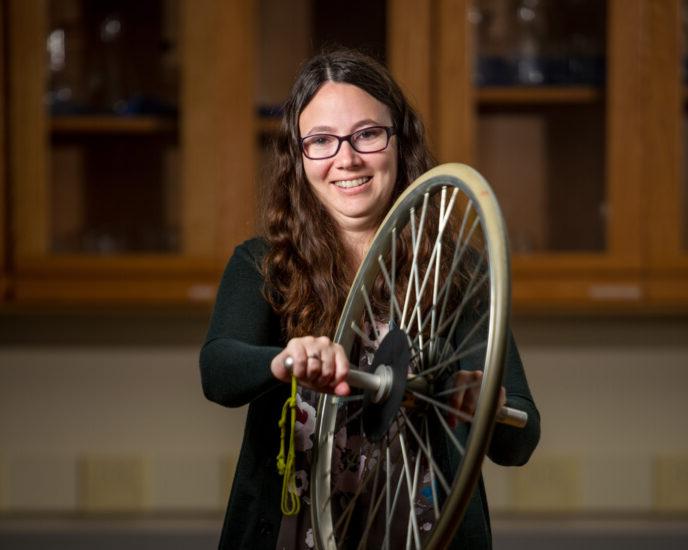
(479, 197)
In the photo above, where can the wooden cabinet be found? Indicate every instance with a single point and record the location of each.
(131, 151)
(4, 252)
(589, 168)
(576, 166)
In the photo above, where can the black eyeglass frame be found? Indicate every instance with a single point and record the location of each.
(389, 130)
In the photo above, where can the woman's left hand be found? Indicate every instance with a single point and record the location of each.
(465, 398)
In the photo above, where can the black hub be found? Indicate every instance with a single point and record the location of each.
(394, 353)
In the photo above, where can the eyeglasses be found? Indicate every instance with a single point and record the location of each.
(368, 140)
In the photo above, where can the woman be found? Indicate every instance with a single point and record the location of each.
(348, 146)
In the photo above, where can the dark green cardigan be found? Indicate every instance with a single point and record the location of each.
(243, 338)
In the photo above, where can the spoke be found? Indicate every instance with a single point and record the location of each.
(397, 492)
(392, 286)
(415, 243)
(445, 213)
(456, 261)
(426, 451)
(409, 532)
(369, 308)
(407, 294)
(450, 432)
(415, 353)
(456, 412)
(435, 500)
(458, 256)
(347, 513)
(456, 356)
(471, 290)
(393, 303)
(412, 506)
(416, 288)
(416, 474)
(436, 281)
(434, 259)
(479, 345)
(388, 503)
(349, 419)
(460, 387)
(456, 315)
(376, 506)
(348, 510)
(359, 332)
(372, 516)
(419, 335)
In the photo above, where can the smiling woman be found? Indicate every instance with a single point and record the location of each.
(312, 259)
(354, 176)
(348, 146)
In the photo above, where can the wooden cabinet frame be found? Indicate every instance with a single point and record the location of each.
(664, 93)
(4, 252)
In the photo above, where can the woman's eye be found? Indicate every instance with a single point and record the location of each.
(320, 140)
(369, 134)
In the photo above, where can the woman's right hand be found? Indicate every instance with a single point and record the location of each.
(319, 364)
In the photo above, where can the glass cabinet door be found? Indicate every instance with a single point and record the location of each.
(132, 159)
(552, 117)
(539, 72)
(110, 91)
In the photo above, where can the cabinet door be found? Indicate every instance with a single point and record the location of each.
(552, 119)
(666, 156)
(132, 147)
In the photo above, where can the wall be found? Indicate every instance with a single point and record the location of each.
(105, 412)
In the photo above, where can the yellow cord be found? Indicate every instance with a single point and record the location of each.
(291, 504)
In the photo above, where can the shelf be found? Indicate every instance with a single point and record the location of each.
(110, 124)
(527, 95)
(127, 280)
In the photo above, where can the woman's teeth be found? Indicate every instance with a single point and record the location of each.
(348, 184)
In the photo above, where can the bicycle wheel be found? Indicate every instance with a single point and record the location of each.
(430, 299)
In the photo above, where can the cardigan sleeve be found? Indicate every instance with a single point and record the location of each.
(243, 336)
(510, 446)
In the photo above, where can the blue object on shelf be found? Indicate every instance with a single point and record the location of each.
(551, 71)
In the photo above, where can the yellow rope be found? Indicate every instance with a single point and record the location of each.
(291, 504)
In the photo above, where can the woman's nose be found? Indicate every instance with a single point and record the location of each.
(347, 156)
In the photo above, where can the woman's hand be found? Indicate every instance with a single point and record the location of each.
(465, 398)
(319, 364)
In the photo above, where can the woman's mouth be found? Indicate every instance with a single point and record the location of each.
(349, 184)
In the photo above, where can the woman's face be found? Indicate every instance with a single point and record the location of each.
(354, 187)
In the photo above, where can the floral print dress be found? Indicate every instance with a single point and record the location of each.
(353, 456)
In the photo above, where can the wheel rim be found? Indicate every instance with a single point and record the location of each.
(388, 487)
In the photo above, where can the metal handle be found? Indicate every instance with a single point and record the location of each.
(380, 382)
(512, 417)
(356, 378)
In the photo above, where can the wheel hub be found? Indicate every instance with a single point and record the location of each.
(391, 361)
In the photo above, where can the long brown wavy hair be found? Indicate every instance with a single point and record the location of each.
(306, 269)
